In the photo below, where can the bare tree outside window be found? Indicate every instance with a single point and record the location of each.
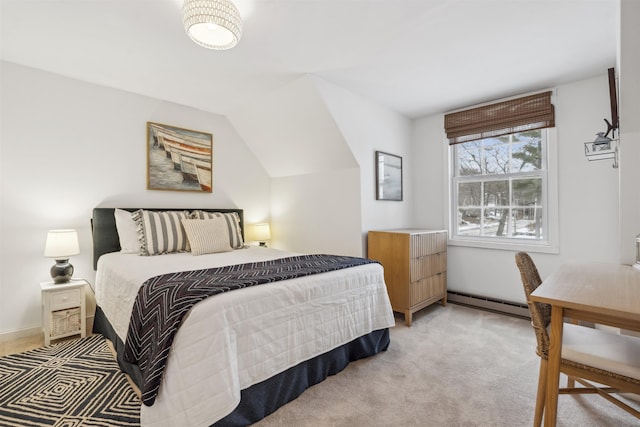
(498, 186)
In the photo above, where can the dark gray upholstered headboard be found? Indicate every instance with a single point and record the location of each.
(105, 234)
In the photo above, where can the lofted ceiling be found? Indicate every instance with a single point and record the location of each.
(416, 57)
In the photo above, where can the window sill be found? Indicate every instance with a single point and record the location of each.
(516, 246)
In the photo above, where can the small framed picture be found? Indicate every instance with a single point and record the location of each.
(388, 176)
(178, 159)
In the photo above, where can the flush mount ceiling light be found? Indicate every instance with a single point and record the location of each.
(214, 24)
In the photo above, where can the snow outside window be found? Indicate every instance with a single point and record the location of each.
(499, 190)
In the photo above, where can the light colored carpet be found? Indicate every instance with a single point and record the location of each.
(455, 366)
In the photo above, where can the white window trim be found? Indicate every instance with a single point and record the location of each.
(551, 245)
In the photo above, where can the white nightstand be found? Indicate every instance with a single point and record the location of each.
(63, 309)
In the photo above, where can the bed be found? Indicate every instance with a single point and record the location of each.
(240, 355)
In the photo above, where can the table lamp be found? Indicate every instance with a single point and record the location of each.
(261, 233)
(60, 245)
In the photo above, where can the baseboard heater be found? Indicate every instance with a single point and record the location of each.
(491, 304)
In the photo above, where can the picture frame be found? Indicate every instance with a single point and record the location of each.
(179, 159)
(388, 176)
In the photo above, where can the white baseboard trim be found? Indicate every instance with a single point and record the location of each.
(22, 333)
(491, 304)
(30, 332)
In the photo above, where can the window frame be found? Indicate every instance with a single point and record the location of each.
(550, 243)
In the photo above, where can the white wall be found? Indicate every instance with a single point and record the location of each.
(629, 102)
(430, 151)
(317, 141)
(317, 213)
(367, 128)
(67, 147)
(588, 196)
(315, 187)
(290, 130)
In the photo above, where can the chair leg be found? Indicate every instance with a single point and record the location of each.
(571, 383)
(540, 396)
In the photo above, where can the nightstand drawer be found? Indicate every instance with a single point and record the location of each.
(66, 321)
(65, 299)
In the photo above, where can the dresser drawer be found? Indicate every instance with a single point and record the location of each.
(65, 299)
(428, 244)
(427, 288)
(428, 265)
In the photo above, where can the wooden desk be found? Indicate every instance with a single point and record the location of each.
(600, 293)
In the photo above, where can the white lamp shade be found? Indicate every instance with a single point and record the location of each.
(61, 244)
(261, 232)
(214, 24)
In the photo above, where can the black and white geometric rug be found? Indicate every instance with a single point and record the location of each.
(70, 384)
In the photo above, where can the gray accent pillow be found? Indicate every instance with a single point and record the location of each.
(232, 219)
(161, 232)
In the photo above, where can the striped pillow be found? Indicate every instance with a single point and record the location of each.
(161, 232)
(232, 220)
(207, 236)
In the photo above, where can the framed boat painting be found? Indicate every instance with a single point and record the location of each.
(178, 159)
(388, 176)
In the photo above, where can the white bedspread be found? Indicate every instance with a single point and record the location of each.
(239, 338)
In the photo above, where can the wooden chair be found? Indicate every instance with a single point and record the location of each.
(588, 355)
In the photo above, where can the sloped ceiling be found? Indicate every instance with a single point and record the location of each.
(416, 57)
(291, 131)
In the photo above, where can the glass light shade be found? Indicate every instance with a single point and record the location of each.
(601, 148)
(61, 244)
(261, 232)
(214, 24)
(602, 140)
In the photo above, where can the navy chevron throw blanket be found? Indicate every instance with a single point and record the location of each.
(163, 301)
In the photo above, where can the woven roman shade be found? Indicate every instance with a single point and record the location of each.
(502, 118)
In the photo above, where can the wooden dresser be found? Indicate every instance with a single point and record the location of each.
(415, 267)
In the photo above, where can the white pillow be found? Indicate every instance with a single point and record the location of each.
(127, 233)
(207, 236)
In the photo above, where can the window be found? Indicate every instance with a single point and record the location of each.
(503, 187)
(499, 187)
